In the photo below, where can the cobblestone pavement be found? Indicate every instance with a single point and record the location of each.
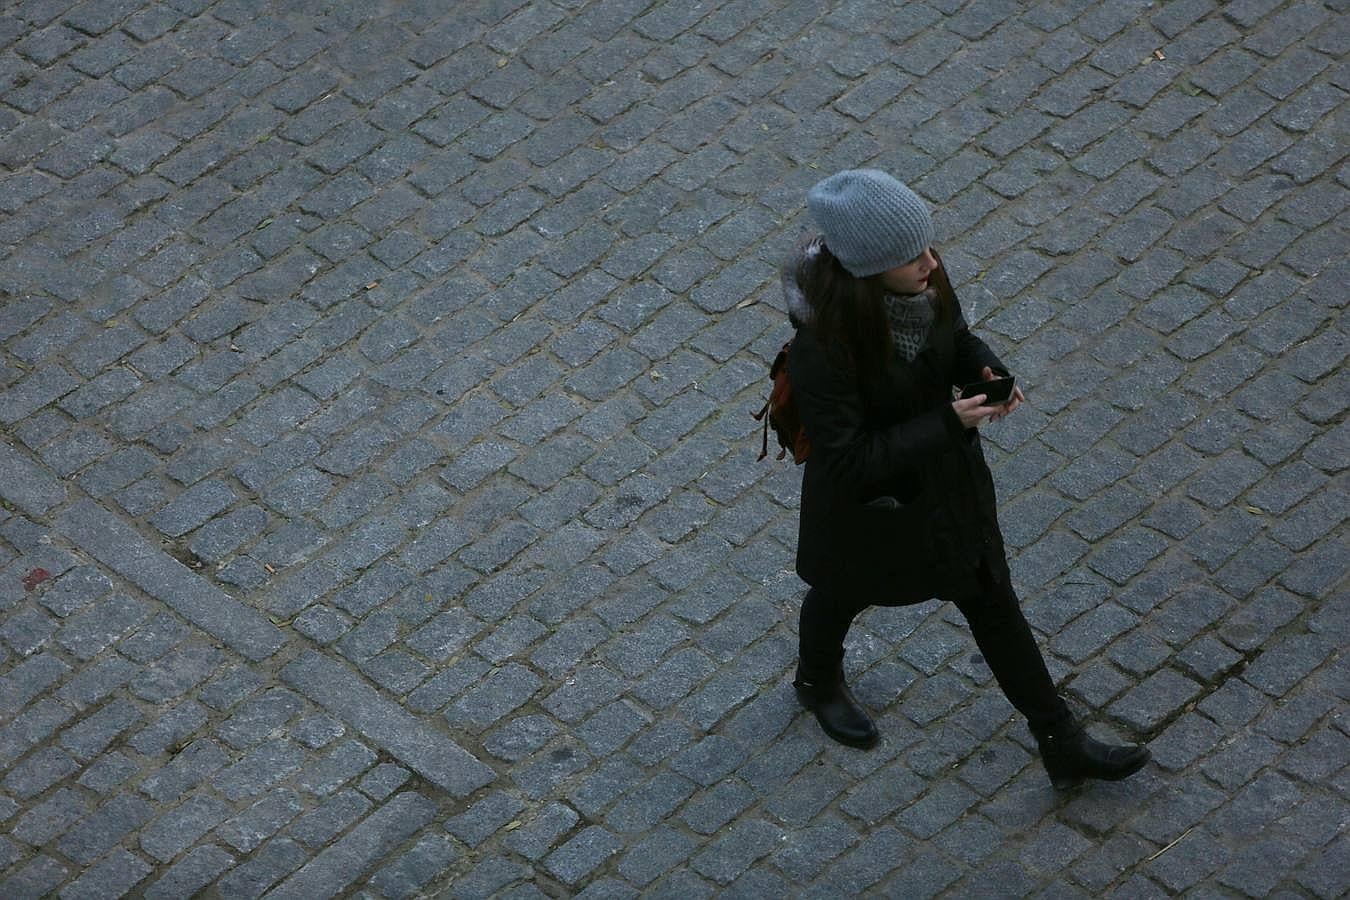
(381, 506)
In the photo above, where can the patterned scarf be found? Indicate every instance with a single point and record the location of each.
(911, 320)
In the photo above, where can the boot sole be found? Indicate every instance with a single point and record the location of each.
(857, 743)
(1068, 782)
(865, 743)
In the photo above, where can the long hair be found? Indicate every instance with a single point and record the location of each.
(849, 314)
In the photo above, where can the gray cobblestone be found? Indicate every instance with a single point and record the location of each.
(170, 728)
(501, 692)
(1156, 699)
(28, 679)
(321, 825)
(195, 599)
(574, 859)
(50, 818)
(190, 765)
(535, 838)
(113, 875)
(250, 828)
(253, 877)
(193, 872)
(94, 733)
(436, 758)
(182, 827)
(342, 764)
(27, 631)
(484, 818)
(39, 876)
(427, 859)
(104, 829)
(259, 770)
(177, 672)
(384, 780)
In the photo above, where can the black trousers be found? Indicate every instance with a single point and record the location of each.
(996, 621)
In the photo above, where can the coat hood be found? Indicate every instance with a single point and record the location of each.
(793, 272)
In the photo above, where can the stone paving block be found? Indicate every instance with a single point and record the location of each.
(105, 828)
(255, 824)
(547, 773)
(169, 728)
(1234, 703)
(396, 671)
(182, 827)
(28, 679)
(582, 854)
(490, 876)
(1155, 700)
(520, 737)
(39, 876)
(27, 631)
(343, 763)
(1318, 758)
(1260, 870)
(111, 876)
(259, 769)
(1283, 665)
(52, 817)
(196, 870)
(1291, 720)
(484, 818)
(423, 862)
(1324, 874)
(259, 717)
(644, 805)
(499, 694)
(116, 546)
(870, 860)
(253, 877)
(436, 758)
(191, 765)
(94, 733)
(1178, 872)
(26, 485)
(586, 690)
(1265, 799)
(384, 780)
(321, 825)
(177, 672)
(45, 385)
(9, 852)
(535, 838)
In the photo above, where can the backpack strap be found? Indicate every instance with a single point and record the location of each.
(763, 415)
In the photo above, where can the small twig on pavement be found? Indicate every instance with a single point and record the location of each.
(1171, 845)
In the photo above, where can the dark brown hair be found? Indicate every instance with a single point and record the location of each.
(849, 314)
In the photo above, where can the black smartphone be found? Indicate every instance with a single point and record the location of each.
(997, 391)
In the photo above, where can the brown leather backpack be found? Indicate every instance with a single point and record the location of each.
(780, 413)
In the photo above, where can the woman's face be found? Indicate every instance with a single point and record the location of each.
(912, 277)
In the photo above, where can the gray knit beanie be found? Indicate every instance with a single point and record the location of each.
(871, 222)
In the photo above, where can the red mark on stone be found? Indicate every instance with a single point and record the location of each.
(34, 578)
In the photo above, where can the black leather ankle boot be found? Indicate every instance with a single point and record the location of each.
(835, 707)
(1071, 755)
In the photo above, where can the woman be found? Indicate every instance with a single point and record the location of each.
(897, 502)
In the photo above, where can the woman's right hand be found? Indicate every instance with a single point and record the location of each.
(972, 412)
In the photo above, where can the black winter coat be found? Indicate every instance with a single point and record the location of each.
(897, 501)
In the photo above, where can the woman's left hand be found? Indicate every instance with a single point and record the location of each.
(1017, 396)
